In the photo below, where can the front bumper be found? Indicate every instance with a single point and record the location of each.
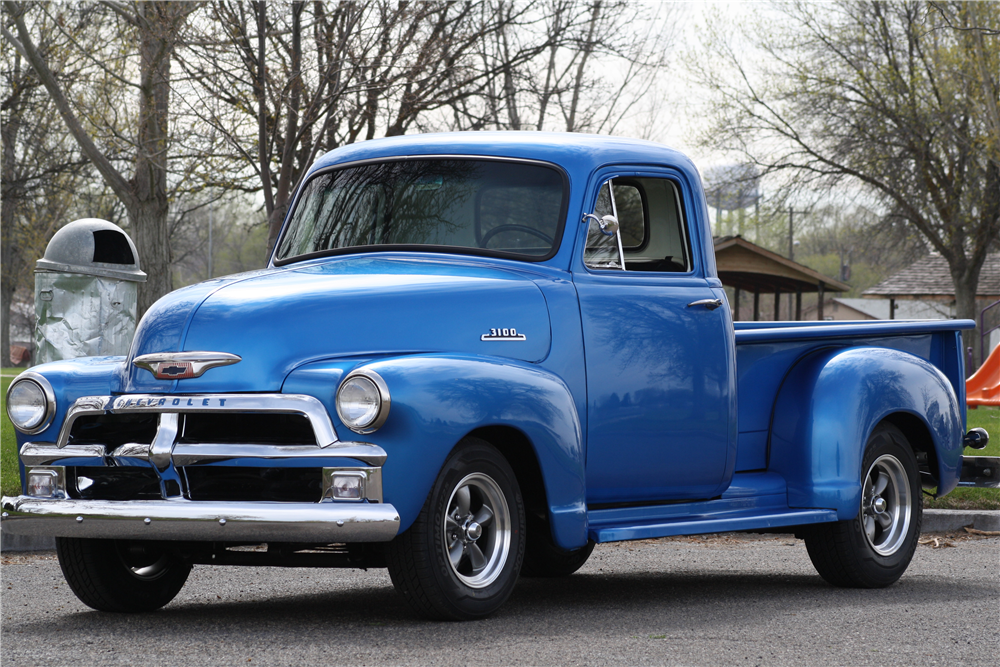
(179, 519)
(176, 516)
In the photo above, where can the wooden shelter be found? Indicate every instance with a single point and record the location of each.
(746, 266)
(929, 279)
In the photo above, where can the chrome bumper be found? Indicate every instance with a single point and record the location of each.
(179, 519)
(980, 471)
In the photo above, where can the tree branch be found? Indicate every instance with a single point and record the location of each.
(27, 49)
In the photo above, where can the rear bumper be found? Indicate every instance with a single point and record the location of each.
(980, 471)
(320, 523)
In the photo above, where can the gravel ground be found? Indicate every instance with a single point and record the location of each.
(714, 600)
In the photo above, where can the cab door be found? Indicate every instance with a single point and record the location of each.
(659, 350)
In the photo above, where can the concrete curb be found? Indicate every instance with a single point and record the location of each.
(935, 521)
(943, 521)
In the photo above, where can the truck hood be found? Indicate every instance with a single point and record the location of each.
(355, 306)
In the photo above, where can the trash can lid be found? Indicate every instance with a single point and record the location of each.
(92, 247)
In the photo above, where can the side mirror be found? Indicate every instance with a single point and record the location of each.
(608, 224)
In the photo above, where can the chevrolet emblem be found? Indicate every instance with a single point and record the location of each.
(183, 365)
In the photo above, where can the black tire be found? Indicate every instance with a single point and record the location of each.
(873, 549)
(461, 557)
(542, 558)
(119, 575)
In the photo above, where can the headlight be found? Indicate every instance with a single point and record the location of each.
(30, 403)
(363, 401)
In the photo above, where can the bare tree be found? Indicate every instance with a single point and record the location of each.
(154, 27)
(43, 175)
(259, 89)
(896, 98)
(296, 79)
(593, 62)
(319, 76)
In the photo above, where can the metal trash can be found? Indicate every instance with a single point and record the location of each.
(85, 292)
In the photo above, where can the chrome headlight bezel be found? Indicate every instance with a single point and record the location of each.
(48, 396)
(381, 392)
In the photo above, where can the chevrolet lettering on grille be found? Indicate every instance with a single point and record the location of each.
(159, 402)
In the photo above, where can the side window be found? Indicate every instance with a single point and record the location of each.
(632, 219)
(653, 230)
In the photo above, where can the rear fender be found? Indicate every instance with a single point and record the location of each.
(438, 399)
(828, 406)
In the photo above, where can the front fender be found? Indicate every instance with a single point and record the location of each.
(828, 406)
(72, 379)
(438, 399)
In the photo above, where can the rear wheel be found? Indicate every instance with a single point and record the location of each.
(873, 549)
(461, 557)
(121, 575)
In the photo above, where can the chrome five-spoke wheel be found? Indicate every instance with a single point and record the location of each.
(477, 530)
(874, 548)
(460, 558)
(885, 505)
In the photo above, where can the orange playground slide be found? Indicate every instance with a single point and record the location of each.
(983, 388)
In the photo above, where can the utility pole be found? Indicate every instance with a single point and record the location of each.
(791, 237)
(791, 250)
(211, 209)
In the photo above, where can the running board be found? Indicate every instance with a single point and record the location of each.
(700, 524)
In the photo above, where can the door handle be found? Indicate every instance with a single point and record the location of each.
(711, 304)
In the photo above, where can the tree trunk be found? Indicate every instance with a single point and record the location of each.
(966, 280)
(145, 194)
(10, 252)
(148, 214)
(9, 264)
(286, 175)
(588, 48)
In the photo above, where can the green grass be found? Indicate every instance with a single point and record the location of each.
(975, 499)
(988, 418)
(10, 476)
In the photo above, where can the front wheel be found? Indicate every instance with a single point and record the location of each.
(461, 557)
(873, 549)
(120, 575)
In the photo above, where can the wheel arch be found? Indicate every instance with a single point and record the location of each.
(515, 446)
(830, 403)
(922, 441)
(526, 412)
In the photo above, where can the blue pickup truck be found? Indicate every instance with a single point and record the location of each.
(472, 357)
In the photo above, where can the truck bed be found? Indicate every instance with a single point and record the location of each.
(766, 351)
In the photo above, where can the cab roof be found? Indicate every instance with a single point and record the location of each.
(574, 152)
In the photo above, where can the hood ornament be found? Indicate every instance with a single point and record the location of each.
(183, 365)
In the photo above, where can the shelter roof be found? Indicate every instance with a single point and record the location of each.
(750, 267)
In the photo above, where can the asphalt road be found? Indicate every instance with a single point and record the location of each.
(721, 600)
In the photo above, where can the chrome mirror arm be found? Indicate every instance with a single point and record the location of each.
(608, 224)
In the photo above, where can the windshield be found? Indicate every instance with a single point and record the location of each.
(483, 206)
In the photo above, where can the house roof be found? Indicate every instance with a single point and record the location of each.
(750, 267)
(930, 278)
